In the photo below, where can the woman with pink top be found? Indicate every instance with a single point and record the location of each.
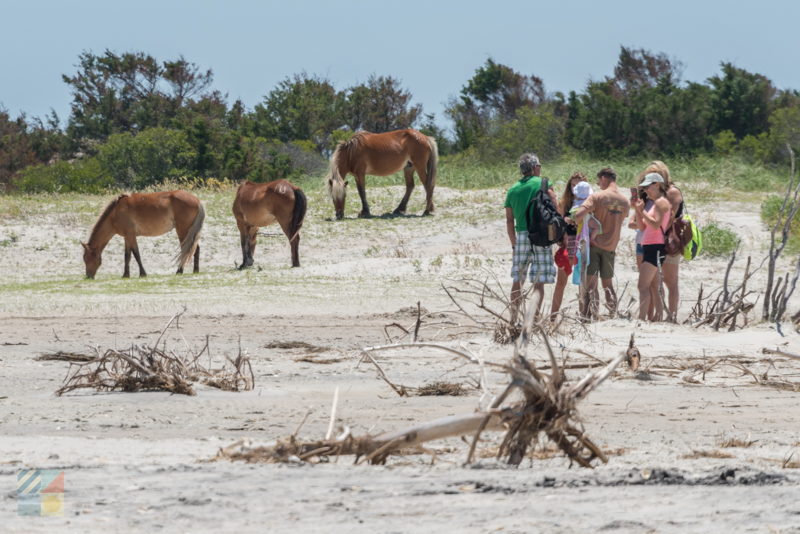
(654, 222)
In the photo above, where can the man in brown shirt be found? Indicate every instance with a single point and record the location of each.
(610, 207)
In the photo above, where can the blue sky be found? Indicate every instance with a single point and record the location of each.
(432, 46)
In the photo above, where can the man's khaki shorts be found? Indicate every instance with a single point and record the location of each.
(601, 261)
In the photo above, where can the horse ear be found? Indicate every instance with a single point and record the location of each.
(84, 245)
(330, 181)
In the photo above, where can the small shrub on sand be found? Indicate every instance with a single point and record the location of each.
(718, 241)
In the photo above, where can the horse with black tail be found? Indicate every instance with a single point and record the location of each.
(147, 214)
(383, 154)
(258, 205)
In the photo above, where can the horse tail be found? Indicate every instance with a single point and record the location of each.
(298, 214)
(192, 238)
(433, 160)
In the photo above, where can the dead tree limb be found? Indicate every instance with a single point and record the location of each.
(783, 223)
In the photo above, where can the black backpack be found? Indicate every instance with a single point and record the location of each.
(545, 225)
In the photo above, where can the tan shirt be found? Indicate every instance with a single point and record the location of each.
(611, 208)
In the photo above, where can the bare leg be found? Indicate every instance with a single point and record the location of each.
(538, 295)
(656, 312)
(558, 291)
(592, 297)
(516, 300)
(670, 271)
(610, 294)
(647, 271)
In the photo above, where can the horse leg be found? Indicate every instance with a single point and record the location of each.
(362, 192)
(408, 172)
(130, 243)
(181, 237)
(127, 272)
(252, 234)
(294, 243)
(196, 260)
(428, 182)
(244, 241)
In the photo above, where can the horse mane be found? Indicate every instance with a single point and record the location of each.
(103, 216)
(333, 182)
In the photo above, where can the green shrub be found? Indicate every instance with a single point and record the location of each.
(539, 128)
(718, 241)
(154, 155)
(86, 176)
(769, 215)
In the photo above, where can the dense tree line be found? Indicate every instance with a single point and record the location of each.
(136, 121)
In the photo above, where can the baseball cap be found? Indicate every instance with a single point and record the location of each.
(652, 178)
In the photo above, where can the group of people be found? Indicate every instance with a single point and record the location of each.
(588, 249)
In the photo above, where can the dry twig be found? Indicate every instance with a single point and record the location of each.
(156, 369)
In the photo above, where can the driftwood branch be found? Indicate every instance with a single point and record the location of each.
(546, 406)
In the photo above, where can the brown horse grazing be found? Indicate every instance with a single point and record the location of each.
(259, 205)
(381, 155)
(147, 214)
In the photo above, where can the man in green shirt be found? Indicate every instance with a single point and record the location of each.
(526, 256)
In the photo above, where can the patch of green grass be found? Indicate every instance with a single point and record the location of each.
(718, 240)
(10, 240)
(704, 173)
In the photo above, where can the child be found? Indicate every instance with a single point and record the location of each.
(588, 229)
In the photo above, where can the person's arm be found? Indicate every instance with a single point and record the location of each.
(638, 214)
(662, 206)
(512, 234)
(586, 207)
(675, 197)
(634, 222)
(553, 197)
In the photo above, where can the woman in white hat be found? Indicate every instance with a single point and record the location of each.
(671, 268)
(654, 222)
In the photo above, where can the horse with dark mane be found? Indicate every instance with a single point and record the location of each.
(147, 214)
(259, 205)
(383, 154)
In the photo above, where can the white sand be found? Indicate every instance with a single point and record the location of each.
(135, 462)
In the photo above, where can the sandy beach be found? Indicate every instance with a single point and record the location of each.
(705, 437)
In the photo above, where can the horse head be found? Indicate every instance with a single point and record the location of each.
(337, 189)
(92, 259)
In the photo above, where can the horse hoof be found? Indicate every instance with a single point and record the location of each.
(427, 213)
(398, 211)
(364, 215)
